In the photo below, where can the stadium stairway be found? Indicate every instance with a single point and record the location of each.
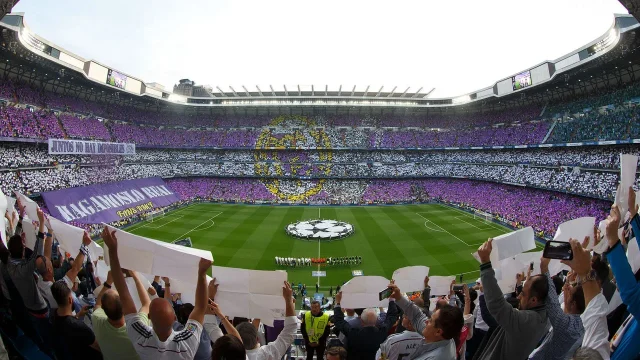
(64, 131)
(550, 130)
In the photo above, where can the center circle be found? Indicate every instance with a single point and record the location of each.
(319, 229)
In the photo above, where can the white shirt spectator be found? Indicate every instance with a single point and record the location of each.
(400, 346)
(594, 320)
(179, 345)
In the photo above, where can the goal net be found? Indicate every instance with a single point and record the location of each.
(482, 215)
(154, 214)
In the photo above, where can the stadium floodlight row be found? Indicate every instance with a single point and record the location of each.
(18, 37)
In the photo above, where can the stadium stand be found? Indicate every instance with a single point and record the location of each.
(495, 160)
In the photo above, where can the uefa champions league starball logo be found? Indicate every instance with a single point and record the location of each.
(320, 229)
(292, 132)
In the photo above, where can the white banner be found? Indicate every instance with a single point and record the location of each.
(83, 147)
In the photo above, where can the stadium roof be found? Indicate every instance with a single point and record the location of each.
(618, 42)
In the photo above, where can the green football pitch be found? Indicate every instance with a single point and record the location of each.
(386, 237)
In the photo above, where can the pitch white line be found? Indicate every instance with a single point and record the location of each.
(497, 227)
(462, 241)
(430, 228)
(137, 226)
(468, 223)
(318, 255)
(319, 214)
(197, 227)
(159, 226)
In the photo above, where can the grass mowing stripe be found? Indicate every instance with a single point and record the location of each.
(387, 237)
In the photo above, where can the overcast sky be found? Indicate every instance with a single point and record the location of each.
(453, 46)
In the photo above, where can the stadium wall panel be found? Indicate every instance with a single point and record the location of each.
(540, 74)
(133, 85)
(71, 60)
(505, 87)
(97, 72)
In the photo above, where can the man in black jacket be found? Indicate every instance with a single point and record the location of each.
(364, 342)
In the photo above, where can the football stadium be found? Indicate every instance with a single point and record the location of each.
(317, 221)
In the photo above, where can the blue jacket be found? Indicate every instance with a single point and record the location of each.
(629, 346)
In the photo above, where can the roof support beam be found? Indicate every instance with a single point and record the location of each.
(366, 91)
(234, 92)
(407, 89)
(379, 91)
(221, 92)
(340, 90)
(285, 90)
(353, 91)
(429, 93)
(312, 91)
(392, 91)
(272, 92)
(326, 90)
(417, 92)
(259, 91)
(299, 91)
(246, 91)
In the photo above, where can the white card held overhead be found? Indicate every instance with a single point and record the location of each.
(628, 168)
(576, 229)
(363, 292)
(30, 206)
(511, 244)
(30, 234)
(440, 285)
(410, 278)
(508, 269)
(525, 259)
(70, 237)
(158, 258)
(250, 293)
(11, 204)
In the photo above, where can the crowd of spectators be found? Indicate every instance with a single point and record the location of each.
(589, 183)
(75, 309)
(33, 170)
(14, 155)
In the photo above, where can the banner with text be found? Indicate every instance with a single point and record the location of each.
(108, 202)
(83, 147)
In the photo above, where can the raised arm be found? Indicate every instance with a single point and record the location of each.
(633, 214)
(167, 289)
(392, 315)
(79, 260)
(557, 317)
(411, 310)
(128, 306)
(501, 310)
(202, 297)
(625, 279)
(277, 349)
(104, 289)
(338, 316)
(145, 301)
(467, 300)
(48, 244)
(231, 330)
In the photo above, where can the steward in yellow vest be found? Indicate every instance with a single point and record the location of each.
(315, 330)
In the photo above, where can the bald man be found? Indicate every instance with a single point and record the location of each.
(109, 325)
(158, 341)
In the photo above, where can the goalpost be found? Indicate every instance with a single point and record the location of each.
(477, 214)
(155, 214)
